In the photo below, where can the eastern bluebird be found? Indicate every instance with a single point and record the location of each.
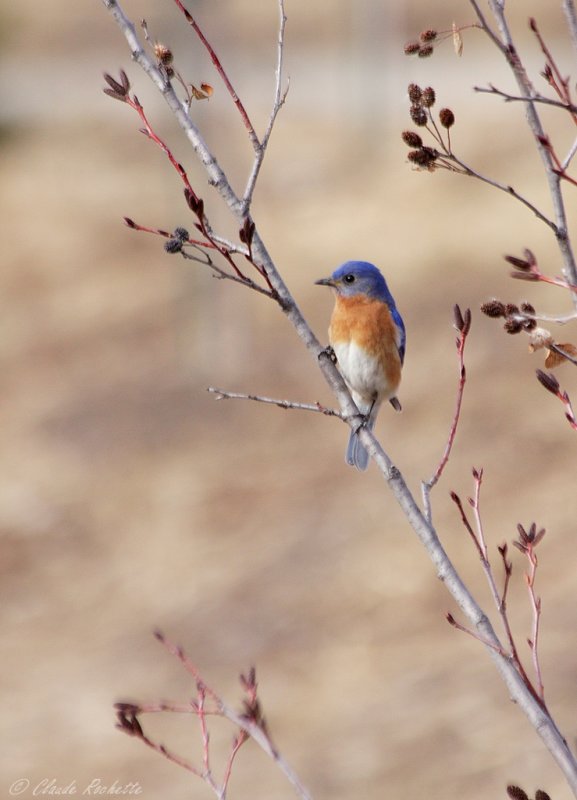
(367, 335)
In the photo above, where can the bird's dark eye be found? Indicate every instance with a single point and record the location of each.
(350, 278)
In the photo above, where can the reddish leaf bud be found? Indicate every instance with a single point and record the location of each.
(548, 381)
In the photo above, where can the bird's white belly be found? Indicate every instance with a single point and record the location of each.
(363, 373)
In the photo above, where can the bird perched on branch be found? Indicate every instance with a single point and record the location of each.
(367, 335)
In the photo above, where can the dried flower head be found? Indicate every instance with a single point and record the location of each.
(411, 48)
(513, 326)
(181, 233)
(429, 97)
(516, 793)
(426, 51)
(412, 139)
(173, 245)
(541, 795)
(163, 54)
(428, 36)
(419, 116)
(446, 118)
(424, 157)
(493, 308)
(415, 93)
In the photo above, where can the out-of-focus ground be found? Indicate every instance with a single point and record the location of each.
(131, 500)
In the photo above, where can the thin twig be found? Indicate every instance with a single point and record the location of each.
(536, 606)
(491, 645)
(551, 383)
(279, 100)
(221, 71)
(502, 187)
(537, 98)
(257, 732)
(427, 486)
(221, 394)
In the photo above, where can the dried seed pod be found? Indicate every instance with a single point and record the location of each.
(419, 116)
(493, 308)
(429, 97)
(446, 118)
(412, 139)
(411, 48)
(415, 93)
(428, 36)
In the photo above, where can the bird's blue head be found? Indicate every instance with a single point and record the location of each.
(359, 277)
(355, 278)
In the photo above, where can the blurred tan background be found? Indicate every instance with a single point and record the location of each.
(130, 499)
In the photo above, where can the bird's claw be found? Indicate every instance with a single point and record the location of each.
(329, 353)
(363, 420)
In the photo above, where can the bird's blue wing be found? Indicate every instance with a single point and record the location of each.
(398, 320)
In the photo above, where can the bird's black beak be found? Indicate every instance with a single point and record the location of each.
(325, 282)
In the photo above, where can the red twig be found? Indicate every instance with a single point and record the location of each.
(457, 625)
(166, 234)
(551, 73)
(462, 326)
(134, 103)
(221, 71)
(527, 543)
(478, 538)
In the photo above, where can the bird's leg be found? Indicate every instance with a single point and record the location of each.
(364, 418)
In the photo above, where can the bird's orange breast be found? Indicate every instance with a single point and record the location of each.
(369, 325)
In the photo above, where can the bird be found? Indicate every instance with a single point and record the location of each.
(367, 335)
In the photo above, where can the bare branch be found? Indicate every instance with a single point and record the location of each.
(255, 729)
(222, 394)
(571, 16)
(507, 47)
(279, 100)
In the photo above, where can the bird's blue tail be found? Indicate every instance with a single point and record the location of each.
(356, 455)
